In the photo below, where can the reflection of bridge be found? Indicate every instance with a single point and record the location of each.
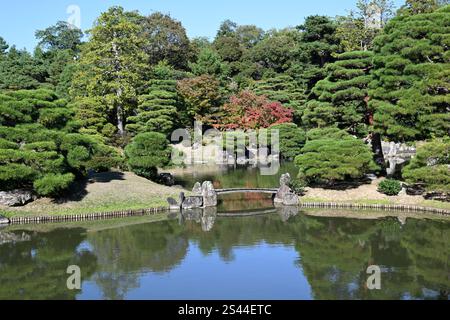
(246, 190)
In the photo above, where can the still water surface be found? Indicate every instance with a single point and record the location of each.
(278, 255)
(223, 254)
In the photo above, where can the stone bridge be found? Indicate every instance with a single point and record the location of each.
(205, 195)
(246, 190)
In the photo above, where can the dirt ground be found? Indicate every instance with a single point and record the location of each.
(364, 193)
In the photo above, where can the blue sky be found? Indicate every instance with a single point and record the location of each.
(19, 19)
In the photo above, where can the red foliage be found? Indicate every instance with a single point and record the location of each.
(250, 111)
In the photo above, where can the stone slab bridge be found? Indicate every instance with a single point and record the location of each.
(246, 190)
(205, 195)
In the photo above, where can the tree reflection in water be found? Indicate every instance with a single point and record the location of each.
(333, 254)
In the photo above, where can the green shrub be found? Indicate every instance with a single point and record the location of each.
(52, 185)
(431, 166)
(329, 161)
(292, 139)
(147, 152)
(327, 133)
(298, 186)
(390, 187)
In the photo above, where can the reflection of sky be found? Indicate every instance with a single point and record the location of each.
(84, 246)
(259, 272)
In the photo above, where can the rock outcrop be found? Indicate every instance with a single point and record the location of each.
(209, 194)
(16, 198)
(173, 204)
(197, 189)
(166, 179)
(192, 202)
(3, 220)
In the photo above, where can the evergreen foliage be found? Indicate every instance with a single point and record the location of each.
(148, 152)
(328, 161)
(410, 90)
(341, 98)
(431, 166)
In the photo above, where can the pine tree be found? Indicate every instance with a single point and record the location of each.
(157, 110)
(410, 90)
(281, 88)
(341, 98)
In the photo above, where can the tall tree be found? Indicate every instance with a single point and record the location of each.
(166, 40)
(341, 98)
(3, 46)
(318, 45)
(113, 64)
(58, 49)
(157, 110)
(209, 62)
(284, 89)
(20, 70)
(357, 30)
(413, 7)
(411, 70)
(61, 36)
(202, 98)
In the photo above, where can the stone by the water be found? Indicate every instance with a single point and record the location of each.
(291, 199)
(16, 198)
(197, 189)
(209, 194)
(192, 202)
(173, 204)
(3, 220)
(166, 179)
(285, 179)
(284, 189)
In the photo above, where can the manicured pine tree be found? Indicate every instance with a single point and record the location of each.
(157, 110)
(410, 90)
(281, 88)
(341, 98)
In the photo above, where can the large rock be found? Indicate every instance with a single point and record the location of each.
(192, 202)
(285, 179)
(173, 204)
(282, 192)
(439, 196)
(291, 199)
(415, 189)
(209, 194)
(3, 220)
(16, 198)
(166, 179)
(197, 189)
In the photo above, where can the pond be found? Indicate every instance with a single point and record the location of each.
(274, 254)
(224, 176)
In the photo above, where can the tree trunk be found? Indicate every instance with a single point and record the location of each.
(119, 92)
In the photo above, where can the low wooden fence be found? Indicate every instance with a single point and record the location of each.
(153, 211)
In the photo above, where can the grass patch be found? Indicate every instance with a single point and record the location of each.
(435, 204)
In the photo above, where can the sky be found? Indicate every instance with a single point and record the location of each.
(19, 19)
